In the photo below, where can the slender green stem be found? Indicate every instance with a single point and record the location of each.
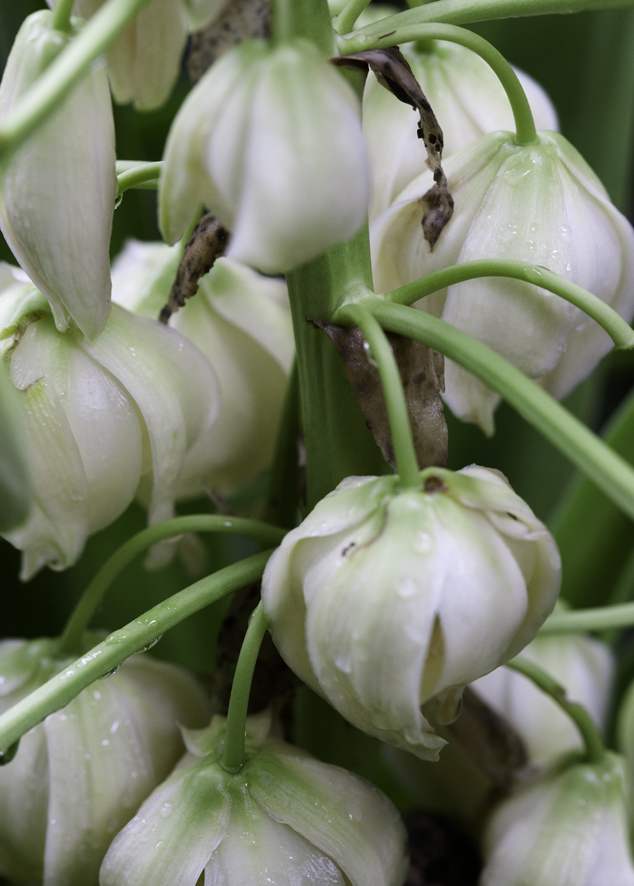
(595, 749)
(233, 756)
(96, 590)
(619, 331)
(404, 451)
(584, 449)
(283, 498)
(62, 74)
(344, 22)
(461, 12)
(386, 36)
(145, 176)
(579, 621)
(61, 15)
(134, 637)
(282, 21)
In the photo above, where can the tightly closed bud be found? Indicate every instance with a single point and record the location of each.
(569, 829)
(57, 192)
(270, 141)
(537, 203)
(383, 599)
(582, 665)
(80, 775)
(468, 100)
(104, 419)
(241, 322)
(284, 818)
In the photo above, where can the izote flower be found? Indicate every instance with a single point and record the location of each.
(240, 320)
(570, 829)
(270, 141)
(104, 420)
(537, 203)
(79, 776)
(15, 480)
(383, 598)
(284, 818)
(57, 192)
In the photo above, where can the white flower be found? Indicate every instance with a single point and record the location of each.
(383, 599)
(468, 100)
(569, 829)
(80, 775)
(270, 141)
(57, 191)
(144, 61)
(284, 818)
(15, 480)
(582, 665)
(241, 322)
(537, 203)
(104, 419)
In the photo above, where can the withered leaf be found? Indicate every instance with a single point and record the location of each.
(208, 242)
(394, 73)
(238, 20)
(422, 372)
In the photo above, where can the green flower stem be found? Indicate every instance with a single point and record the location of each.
(583, 448)
(69, 67)
(61, 15)
(96, 590)
(309, 19)
(404, 451)
(283, 498)
(619, 331)
(601, 618)
(134, 637)
(233, 756)
(344, 22)
(595, 749)
(391, 34)
(143, 176)
(461, 12)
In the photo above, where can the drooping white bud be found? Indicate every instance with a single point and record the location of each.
(383, 599)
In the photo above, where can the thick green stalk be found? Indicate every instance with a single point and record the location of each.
(134, 637)
(283, 498)
(61, 15)
(595, 749)
(233, 756)
(579, 621)
(404, 451)
(309, 19)
(144, 176)
(388, 35)
(98, 587)
(620, 332)
(583, 448)
(66, 70)
(461, 12)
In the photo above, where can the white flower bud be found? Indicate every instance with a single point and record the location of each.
(468, 100)
(79, 776)
(102, 418)
(383, 599)
(284, 818)
(537, 203)
(57, 192)
(241, 322)
(270, 141)
(582, 665)
(569, 829)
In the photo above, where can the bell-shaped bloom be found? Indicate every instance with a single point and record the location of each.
(104, 420)
(284, 818)
(383, 598)
(57, 191)
(240, 320)
(79, 776)
(582, 665)
(540, 204)
(570, 829)
(144, 61)
(468, 100)
(270, 141)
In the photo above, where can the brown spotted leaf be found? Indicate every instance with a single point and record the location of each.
(238, 20)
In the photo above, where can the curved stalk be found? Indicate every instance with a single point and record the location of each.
(461, 12)
(233, 756)
(404, 451)
(392, 33)
(583, 448)
(595, 749)
(619, 331)
(344, 22)
(96, 590)
(596, 619)
(145, 175)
